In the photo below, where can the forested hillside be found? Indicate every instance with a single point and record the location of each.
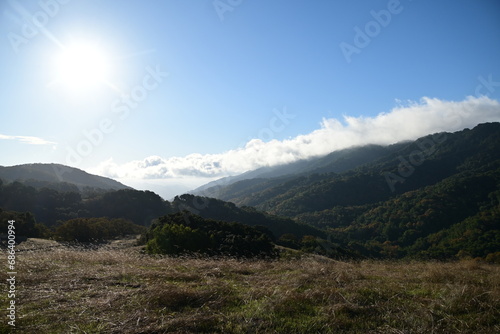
(234, 187)
(226, 211)
(50, 206)
(58, 177)
(394, 170)
(435, 197)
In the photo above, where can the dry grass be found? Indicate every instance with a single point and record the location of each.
(120, 290)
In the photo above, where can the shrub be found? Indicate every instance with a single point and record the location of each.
(184, 233)
(493, 258)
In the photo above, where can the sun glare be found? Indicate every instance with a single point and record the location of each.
(82, 66)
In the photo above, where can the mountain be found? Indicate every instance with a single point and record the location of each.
(362, 175)
(335, 162)
(58, 177)
(55, 193)
(437, 197)
(418, 164)
(50, 206)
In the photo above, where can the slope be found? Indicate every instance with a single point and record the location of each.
(404, 167)
(232, 188)
(58, 177)
(228, 212)
(436, 197)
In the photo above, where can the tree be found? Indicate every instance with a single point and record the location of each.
(176, 239)
(95, 229)
(186, 233)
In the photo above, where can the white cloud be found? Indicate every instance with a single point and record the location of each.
(404, 122)
(28, 140)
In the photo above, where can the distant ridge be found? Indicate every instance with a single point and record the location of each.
(231, 187)
(55, 175)
(269, 188)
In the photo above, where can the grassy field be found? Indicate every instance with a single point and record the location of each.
(116, 289)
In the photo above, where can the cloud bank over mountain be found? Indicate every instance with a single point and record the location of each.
(406, 121)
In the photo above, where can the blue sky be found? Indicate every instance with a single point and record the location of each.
(249, 83)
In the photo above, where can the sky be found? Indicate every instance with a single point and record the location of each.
(168, 95)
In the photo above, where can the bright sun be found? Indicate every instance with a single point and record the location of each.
(82, 66)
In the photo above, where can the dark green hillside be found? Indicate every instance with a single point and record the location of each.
(241, 189)
(47, 205)
(50, 206)
(400, 168)
(225, 211)
(423, 222)
(434, 197)
(350, 158)
(141, 207)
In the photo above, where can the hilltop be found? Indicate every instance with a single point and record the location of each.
(58, 177)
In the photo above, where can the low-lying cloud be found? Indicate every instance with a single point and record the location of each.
(406, 121)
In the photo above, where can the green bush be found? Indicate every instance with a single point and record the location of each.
(186, 233)
(176, 239)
